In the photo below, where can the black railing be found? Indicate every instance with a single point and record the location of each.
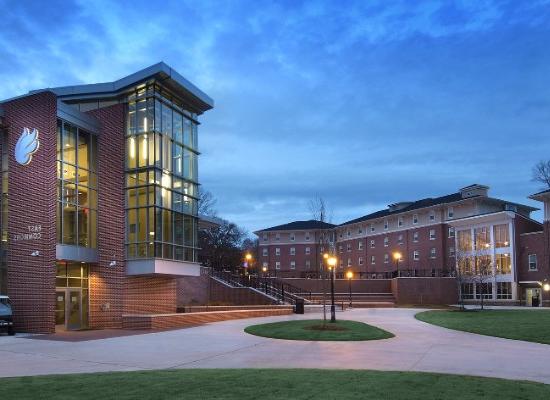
(420, 273)
(281, 291)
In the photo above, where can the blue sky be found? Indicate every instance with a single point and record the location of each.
(363, 103)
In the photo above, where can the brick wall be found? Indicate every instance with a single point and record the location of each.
(149, 295)
(33, 201)
(106, 282)
(342, 285)
(425, 290)
(193, 290)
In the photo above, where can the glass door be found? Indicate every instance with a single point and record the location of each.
(74, 309)
(60, 307)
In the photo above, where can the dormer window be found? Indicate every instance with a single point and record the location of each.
(292, 237)
(415, 219)
(307, 235)
(386, 224)
(400, 221)
(432, 215)
(372, 229)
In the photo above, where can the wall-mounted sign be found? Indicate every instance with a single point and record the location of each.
(34, 232)
(26, 146)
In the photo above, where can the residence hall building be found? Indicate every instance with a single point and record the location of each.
(294, 249)
(421, 238)
(99, 199)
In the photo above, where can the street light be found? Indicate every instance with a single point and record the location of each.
(332, 266)
(397, 257)
(248, 258)
(349, 275)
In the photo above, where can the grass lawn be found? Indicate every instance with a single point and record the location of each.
(267, 384)
(314, 329)
(528, 325)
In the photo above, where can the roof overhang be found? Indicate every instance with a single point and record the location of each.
(541, 196)
(482, 218)
(172, 80)
(160, 267)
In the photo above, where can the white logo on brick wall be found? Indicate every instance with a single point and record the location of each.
(26, 146)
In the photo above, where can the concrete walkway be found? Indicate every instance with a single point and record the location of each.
(417, 347)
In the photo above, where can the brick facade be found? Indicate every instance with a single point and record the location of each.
(33, 202)
(107, 282)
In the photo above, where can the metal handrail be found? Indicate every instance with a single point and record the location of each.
(282, 291)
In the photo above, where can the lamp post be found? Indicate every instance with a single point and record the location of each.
(264, 270)
(332, 266)
(349, 275)
(325, 259)
(248, 258)
(397, 257)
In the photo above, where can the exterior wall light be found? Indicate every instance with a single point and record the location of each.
(112, 264)
(546, 287)
(35, 253)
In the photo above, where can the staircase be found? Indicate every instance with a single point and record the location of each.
(278, 292)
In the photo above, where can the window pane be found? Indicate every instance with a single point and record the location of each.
(178, 127)
(83, 149)
(69, 224)
(131, 152)
(83, 214)
(166, 120)
(69, 143)
(131, 119)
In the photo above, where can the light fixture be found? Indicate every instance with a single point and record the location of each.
(112, 264)
(35, 253)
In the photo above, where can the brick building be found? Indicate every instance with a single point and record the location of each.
(427, 238)
(99, 206)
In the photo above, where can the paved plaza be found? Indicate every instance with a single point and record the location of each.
(417, 347)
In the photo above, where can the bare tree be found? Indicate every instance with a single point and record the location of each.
(319, 210)
(541, 173)
(463, 273)
(483, 273)
(206, 203)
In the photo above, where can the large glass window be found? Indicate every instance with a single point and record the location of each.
(161, 177)
(504, 263)
(77, 186)
(465, 240)
(502, 235)
(504, 290)
(482, 238)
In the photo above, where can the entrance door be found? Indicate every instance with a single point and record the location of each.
(60, 308)
(533, 297)
(68, 311)
(74, 309)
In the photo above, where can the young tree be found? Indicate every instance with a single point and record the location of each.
(318, 210)
(483, 273)
(541, 173)
(463, 274)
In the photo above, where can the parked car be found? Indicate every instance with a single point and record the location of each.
(6, 316)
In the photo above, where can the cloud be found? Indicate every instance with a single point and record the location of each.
(365, 105)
